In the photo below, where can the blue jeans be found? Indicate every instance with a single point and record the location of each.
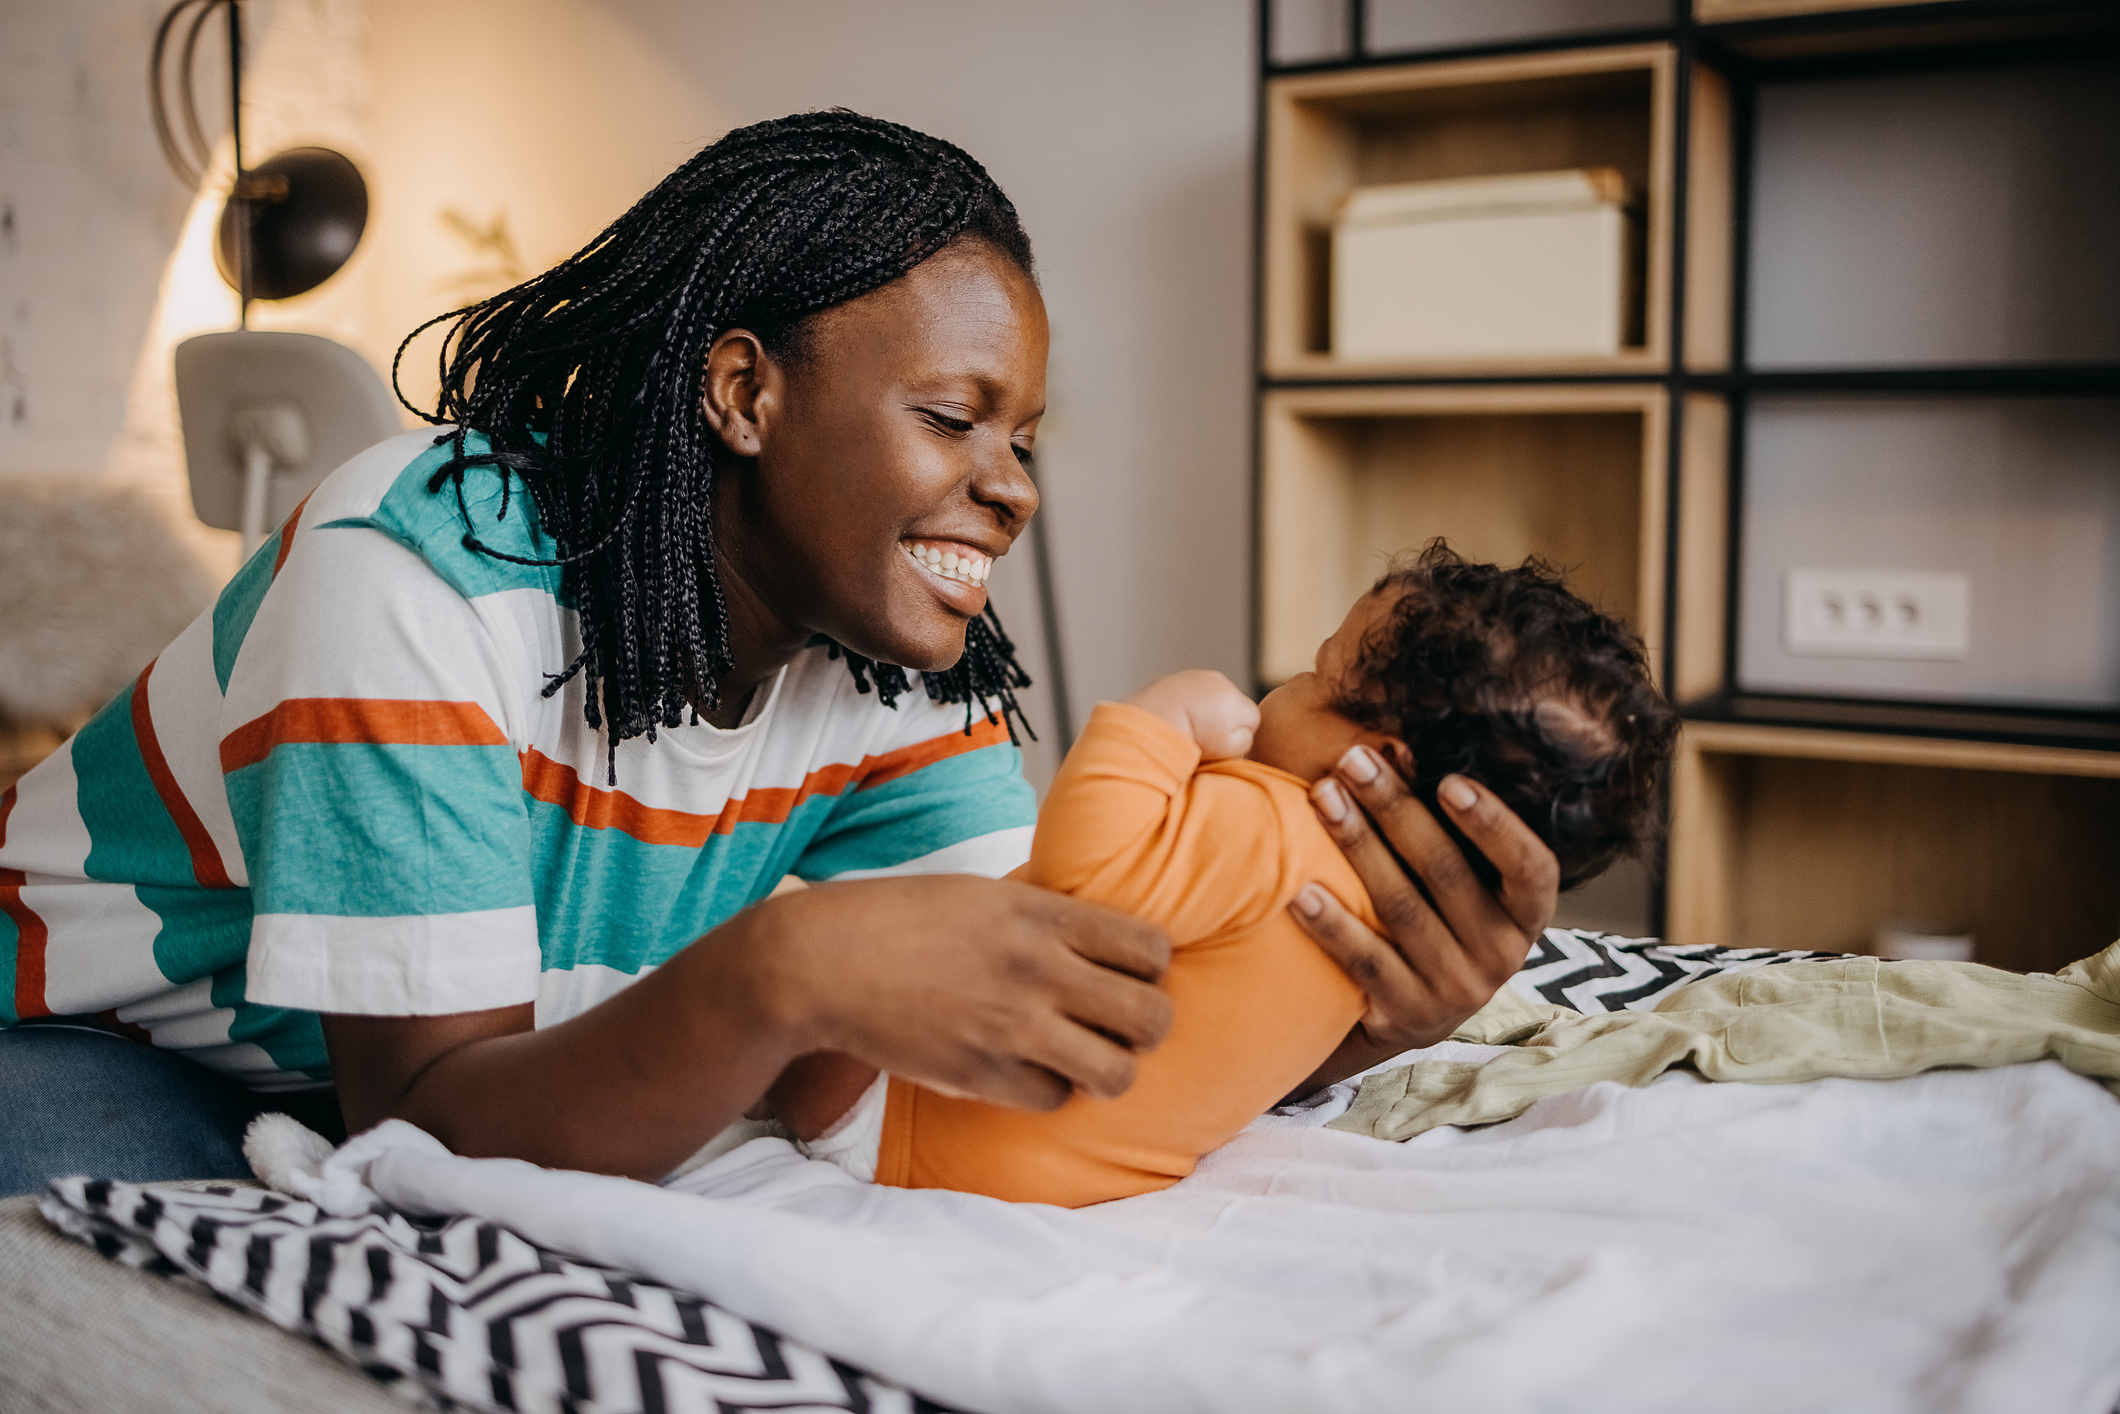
(77, 1099)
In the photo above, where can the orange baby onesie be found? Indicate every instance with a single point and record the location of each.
(1214, 853)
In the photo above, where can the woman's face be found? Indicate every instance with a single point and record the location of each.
(899, 436)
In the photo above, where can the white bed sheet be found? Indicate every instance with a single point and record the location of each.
(1946, 1243)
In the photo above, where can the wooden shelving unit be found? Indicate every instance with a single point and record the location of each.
(1328, 133)
(1797, 821)
(1571, 471)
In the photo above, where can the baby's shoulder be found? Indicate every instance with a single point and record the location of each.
(1304, 851)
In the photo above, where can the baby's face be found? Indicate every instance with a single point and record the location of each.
(1299, 729)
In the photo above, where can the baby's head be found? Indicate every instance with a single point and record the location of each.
(1448, 667)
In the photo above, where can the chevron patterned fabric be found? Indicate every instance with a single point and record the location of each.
(1593, 972)
(464, 1311)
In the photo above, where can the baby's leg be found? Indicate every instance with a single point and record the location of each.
(816, 1091)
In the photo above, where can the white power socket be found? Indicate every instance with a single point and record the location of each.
(1877, 614)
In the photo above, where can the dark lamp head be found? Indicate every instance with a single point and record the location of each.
(306, 209)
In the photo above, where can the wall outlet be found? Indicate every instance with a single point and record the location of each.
(1877, 614)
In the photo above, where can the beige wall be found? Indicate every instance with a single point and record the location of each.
(1122, 130)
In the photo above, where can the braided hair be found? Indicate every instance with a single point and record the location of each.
(586, 380)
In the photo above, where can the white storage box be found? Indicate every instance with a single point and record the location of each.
(1534, 263)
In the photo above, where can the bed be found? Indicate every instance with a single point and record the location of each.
(1949, 1242)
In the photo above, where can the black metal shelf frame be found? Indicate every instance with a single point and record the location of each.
(1722, 46)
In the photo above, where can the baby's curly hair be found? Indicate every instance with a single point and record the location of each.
(1505, 676)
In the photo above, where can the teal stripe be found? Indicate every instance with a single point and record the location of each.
(605, 897)
(238, 605)
(132, 840)
(203, 930)
(355, 829)
(954, 800)
(429, 524)
(294, 1039)
(10, 941)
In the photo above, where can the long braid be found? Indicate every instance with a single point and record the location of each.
(585, 382)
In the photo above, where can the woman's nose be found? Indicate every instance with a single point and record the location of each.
(1004, 483)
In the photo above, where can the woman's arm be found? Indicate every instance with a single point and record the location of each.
(1434, 965)
(1022, 996)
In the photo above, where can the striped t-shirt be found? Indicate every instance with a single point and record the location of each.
(341, 790)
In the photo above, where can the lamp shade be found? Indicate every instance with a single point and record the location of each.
(307, 208)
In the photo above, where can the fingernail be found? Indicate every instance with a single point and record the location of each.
(1360, 763)
(1458, 795)
(1309, 901)
(1331, 801)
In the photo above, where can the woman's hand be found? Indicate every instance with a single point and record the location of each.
(1023, 998)
(1206, 706)
(1436, 964)
(977, 986)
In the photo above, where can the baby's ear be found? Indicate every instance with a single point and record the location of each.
(1399, 755)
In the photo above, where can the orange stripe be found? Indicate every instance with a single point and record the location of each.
(587, 805)
(985, 731)
(206, 864)
(379, 721)
(547, 780)
(129, 1030)
(31, 935)
(287, 536)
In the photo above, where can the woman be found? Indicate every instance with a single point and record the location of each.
(468, 796)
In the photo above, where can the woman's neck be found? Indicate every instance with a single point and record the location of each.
(761, 643)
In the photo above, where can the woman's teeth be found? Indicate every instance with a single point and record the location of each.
(951, 563)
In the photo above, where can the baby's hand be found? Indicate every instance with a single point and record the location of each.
(1205, 706)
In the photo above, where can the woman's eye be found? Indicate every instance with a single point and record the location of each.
(955, 426)
(1023, 454)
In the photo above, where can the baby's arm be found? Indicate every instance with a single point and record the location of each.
(1205, 706)
(1112, 796)
(1111, 804)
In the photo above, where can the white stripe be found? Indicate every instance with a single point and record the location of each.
(357, 488)
(45, 832)
(184, 704)
(570, 991)
(417, 965)
(101, 952)
(184, 1019)
(992, 855)
(357, 615)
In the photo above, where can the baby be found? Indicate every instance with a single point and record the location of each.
(1188, 805)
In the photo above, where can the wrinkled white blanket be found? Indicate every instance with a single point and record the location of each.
(1949, 1242)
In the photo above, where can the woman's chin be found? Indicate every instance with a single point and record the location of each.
(932, 652)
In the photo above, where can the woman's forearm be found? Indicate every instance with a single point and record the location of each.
(632, 1086)
(1024, 998)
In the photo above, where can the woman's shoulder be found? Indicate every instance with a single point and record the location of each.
(403, 488)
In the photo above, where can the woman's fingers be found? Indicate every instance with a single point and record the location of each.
(1483, 929)
(1104, 936)
(1448, 942)
(1404, 830)
(1530, 884)
(1136, 1015)
(1393, 988)
(1027, 997)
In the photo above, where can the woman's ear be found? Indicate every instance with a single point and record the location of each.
(737, 392)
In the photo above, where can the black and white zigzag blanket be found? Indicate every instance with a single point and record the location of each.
(463, 1310)
(1787, 1235)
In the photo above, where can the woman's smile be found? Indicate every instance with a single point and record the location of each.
(952, 570)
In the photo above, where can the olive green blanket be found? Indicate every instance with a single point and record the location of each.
(1855, 1017)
